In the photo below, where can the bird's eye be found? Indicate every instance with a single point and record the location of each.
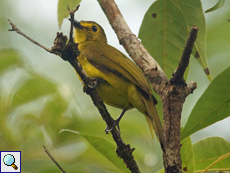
(94, 28)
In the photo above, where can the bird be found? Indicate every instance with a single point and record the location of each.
(120, 82)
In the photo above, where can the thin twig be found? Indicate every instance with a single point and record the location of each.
(71, 12)
(52, 158)
(14, 28)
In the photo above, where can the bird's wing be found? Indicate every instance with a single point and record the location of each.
(107, 58)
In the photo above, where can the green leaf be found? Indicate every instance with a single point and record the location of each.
(106, 148)
(63, 10)
(208, 150)
(165, 30)
(164, 33)
(8, 57)
(218, 5)
(213, 106)
(187, 156)
(33, 88)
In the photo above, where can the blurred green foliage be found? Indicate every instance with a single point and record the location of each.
(34, 108)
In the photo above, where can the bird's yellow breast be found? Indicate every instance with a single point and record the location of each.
(114, 90)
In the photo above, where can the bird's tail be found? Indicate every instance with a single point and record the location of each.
(153, 120)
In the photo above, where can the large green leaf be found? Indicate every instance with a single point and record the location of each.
(208, 150)
(213, 106)
(106, 148)
(187, 156)
(164, 33)
(165, 30)
(63, 10)
(218, 5)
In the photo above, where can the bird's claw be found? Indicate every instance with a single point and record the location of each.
(109, 129)
(116, 123)
(94, 82)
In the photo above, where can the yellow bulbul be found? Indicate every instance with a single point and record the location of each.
(121, 83)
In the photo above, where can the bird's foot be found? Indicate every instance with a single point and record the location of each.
(115, 124)
(94, 82)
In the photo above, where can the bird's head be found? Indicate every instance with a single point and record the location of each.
(88, 31)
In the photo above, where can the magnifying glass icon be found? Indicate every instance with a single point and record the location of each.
(9, 160)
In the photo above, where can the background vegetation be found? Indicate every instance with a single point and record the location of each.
(40, 94)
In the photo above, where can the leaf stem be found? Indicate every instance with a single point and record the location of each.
(216, 161)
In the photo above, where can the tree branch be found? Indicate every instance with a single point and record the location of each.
(71, 12)
(14, 28)
(177, 78)
(172, 107)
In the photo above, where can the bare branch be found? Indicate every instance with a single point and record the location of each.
(52, 158)
(14, 28)
(177, 78)
(71, 12)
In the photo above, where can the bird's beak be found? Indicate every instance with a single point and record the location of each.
(77, 24)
